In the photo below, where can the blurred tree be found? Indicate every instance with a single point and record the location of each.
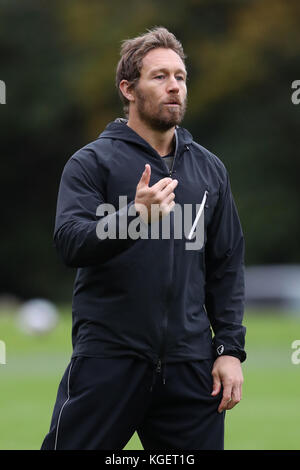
(58, 60)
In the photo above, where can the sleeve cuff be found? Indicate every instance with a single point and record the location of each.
(223, 350)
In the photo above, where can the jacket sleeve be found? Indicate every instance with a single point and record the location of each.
(225, 289)
(75, 235)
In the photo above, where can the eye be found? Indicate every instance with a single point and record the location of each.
(159, 77)
(180, 78)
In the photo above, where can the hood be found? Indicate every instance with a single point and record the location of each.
(119, 130)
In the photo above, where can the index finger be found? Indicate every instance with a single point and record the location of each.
(145, 178)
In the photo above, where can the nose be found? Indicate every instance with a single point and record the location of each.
(173, 85)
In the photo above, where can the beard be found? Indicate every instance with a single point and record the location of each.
(157, 117)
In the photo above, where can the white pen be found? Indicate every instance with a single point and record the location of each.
(198, 215)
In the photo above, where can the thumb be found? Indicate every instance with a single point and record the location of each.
(216, 386)
(145, 178)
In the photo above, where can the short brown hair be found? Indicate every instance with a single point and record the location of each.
(134, 50)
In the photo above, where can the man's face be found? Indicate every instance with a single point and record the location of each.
(160, 94)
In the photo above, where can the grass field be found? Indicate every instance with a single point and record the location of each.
(268, 416)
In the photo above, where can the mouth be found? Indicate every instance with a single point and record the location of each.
(172, 103)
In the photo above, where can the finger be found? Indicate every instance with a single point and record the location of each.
(225, 398)
(145, 178)
(169, 199)
(168, 189)
(236, 397)
(161, 184)
(216, 387)
(171, 205)
(165, 208)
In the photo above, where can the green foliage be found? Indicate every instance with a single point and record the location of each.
(58, 61)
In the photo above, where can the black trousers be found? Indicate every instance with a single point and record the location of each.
(102, 402)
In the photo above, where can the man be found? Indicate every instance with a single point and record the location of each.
(144, 307)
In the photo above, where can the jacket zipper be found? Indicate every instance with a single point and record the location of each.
(168, 296)
(170, 171)
(175, 153)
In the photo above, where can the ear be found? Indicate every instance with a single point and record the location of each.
(127, 90)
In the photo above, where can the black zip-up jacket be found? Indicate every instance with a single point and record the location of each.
(152, 298)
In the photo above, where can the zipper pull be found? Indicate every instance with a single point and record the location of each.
(158, 367)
